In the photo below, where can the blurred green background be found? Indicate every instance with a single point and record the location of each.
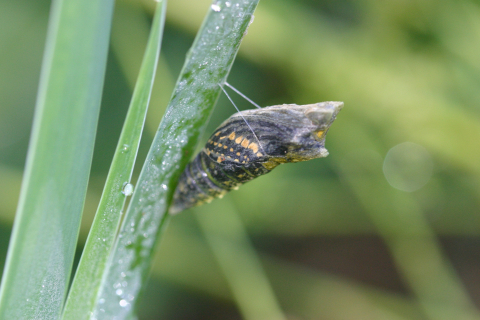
(386, 227)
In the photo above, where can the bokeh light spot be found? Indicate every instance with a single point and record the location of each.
(408, 166)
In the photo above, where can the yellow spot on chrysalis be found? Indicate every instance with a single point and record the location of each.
(221, 138)
(236, 160)
(215, 143)
(231, 149)
(245, 143)
(220, 145)
(253, 146)
(259, 154)
(238, 153)
(243, 161)
(220, 159)
(225, 147)
(231, 136)
(217, 133)
(320, 133)
(239, 139)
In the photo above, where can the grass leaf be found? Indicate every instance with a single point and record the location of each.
(48, 216)
(208, 64)
(86, 285)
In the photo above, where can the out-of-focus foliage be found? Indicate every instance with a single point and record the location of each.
(337, 238)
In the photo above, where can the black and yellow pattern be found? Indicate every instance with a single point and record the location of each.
(238, 152)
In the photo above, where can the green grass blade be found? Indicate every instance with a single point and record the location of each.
(241, 268)
(82, 297)
(208, 64)
(48, 215)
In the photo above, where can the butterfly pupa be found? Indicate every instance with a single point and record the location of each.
(252, 143)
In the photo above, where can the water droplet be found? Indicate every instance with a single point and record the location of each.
(251, 20)
(408, 166)
(119, 292)
(216, 7)
(123, 275)
(123, 303)
(228, 4)
(101, 301)
(164, 186)
(125, 148)
(127, 189)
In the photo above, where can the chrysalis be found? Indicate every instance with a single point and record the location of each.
(251, 143)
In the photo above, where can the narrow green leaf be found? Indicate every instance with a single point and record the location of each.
(82, 297)
(48, 215)
(208, 64)
(242, 268)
